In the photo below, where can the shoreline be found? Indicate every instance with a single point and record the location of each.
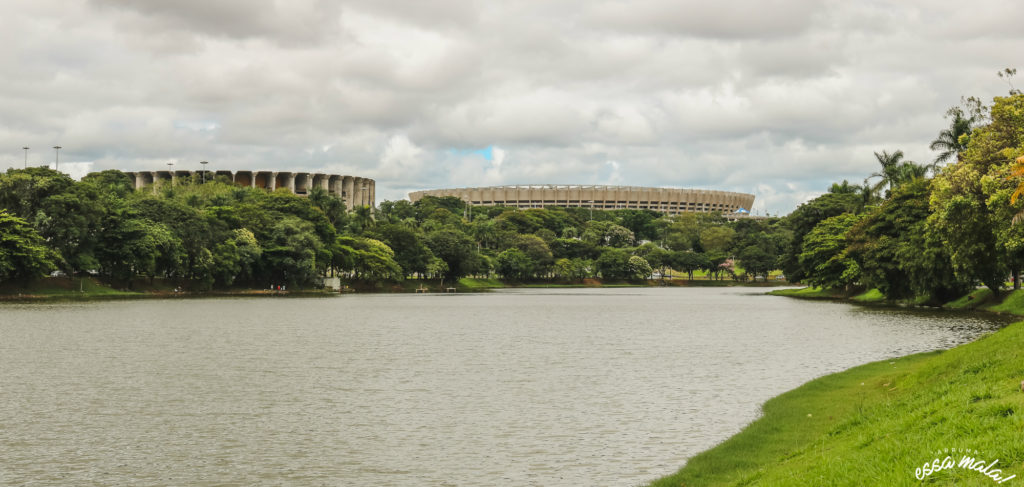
(62, 289)
(878, 423)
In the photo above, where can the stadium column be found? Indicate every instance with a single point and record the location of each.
(347, 187)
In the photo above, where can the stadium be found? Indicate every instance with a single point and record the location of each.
(355, 191)
(666, 200)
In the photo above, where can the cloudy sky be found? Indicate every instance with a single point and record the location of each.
(774, 97)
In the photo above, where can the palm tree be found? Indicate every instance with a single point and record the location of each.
(951, 141)
(895, 172)
(909, 171)
(890, 170)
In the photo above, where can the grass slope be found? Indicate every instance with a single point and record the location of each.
(972, 300)
(875, 424)
(1013, 303)
(809, 293)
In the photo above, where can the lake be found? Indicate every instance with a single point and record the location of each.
(520, 387)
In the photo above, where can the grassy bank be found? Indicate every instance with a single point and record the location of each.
(982, 299)
(875, 424)
(810, 293)
(88, 288)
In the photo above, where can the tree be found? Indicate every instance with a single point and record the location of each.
(515, 264)
(290, 255)
(537, 251)
(688, 262)
(639, 268)
(683, 233)
(23, 254)
(898, 254)
(717, 238)
(824, 253)
(953, 140)
(456, 249)
(756, 261)
(613, 264)
(971, 202)
(606, 233)
(657, 257)
(806, 217)
(895, 172)
(411, 253)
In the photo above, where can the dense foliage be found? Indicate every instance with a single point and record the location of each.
(215, 235)
(924, 231)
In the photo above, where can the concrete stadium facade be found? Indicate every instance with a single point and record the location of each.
(354, 190)
(666, 200)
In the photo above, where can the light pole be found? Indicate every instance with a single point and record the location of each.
(26, 157)
(204, 163)
(591, 209)
(170, 173)
(56, 157)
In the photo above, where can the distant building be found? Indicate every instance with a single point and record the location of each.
(666, 200)
(355, 191)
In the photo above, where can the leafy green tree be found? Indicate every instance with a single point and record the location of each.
(657, 257)
(640, 222)
(374, 260)
(573, 249)
(898, 254)
(456, 249)
(824, 253)
(411, 253)
(756, 261)
(716, 238)
(23, 254)
(537, 251)
(970, 202)
(613, 264)
(800, 222)
(332, 207)
(562, 269)
(515, 264)
(639, 268)
(606, 233)
(683, 233)
(689, 261)
(289, 255)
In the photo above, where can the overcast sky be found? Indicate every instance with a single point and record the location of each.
(773, 97)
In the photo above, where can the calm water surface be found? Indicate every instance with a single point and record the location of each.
(514, 388)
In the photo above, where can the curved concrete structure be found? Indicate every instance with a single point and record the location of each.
(667, 200)
(355, 191)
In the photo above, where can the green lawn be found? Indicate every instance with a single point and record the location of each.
(874, 424)
(62, 287)
(808, 293)
(870, 296)
(973, 300)
(1013, 303)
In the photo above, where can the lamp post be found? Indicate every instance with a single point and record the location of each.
(170, 173)
(591, 209)
(204, 163)
(56, 157)
(26, 157)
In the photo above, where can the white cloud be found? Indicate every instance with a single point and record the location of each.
(775, 97)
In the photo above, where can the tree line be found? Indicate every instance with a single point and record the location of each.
(928, 232)
(214, 234)
(914, 231)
